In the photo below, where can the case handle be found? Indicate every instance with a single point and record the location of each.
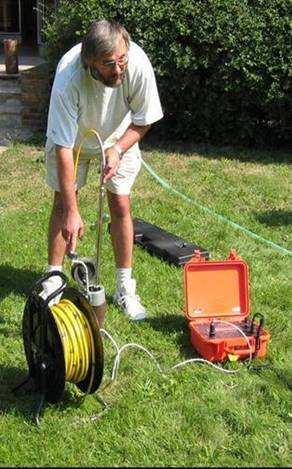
(197, 257)
(233, 255)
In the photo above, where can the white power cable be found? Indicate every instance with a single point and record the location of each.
(202, 360)
(192, 360)
(241, 332)
(103, 331)
(117, 359)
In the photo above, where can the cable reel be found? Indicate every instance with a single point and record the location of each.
(61, 342)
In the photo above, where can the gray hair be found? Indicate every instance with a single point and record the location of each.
(102, 39)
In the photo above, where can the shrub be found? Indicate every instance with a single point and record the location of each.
(222, 66)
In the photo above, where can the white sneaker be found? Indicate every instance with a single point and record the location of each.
(129, 301)
(49, 286)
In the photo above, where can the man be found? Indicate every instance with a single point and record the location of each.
(106, 83)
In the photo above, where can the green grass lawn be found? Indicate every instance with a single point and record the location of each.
(195, 415)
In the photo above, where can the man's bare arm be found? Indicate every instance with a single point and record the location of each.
(132, 135)
(72, 226)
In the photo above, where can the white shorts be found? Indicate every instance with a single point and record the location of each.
(120, 184)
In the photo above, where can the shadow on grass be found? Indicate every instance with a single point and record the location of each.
(152, 143)
(18, 281)
(275, 217)
(169, 324)
(24, 401)
(18, 402)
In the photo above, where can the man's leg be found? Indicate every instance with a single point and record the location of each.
(121, 229)
(56, 249)
(122, 237)
(56, 242)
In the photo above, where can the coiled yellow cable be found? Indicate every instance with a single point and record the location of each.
(77, 340)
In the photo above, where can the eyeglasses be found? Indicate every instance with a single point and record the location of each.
(122, 62)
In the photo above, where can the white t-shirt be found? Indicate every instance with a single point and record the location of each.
(79, 102)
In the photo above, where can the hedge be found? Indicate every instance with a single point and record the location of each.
(223, 67)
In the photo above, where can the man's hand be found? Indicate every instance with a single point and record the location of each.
(72, 228)
(112, 163)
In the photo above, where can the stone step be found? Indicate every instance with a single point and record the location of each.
(11, 106)
(11, 76)
(10, 121)
(7, 135)
(9, 90)
(9, 87)
(7, 97)
(10, 101)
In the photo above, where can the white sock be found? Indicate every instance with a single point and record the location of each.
(123, 275)
(50, 268)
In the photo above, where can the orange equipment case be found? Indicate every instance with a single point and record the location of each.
(219, 291)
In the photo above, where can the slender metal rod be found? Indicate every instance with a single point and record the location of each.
(100, 210)
(101, 195)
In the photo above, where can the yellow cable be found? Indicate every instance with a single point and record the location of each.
(77, 340)
(75, 350)
(85, 135)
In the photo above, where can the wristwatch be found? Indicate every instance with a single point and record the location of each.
(119, 150)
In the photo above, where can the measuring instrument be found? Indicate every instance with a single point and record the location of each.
(217, 309)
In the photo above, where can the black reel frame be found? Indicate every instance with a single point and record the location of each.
(43, 346)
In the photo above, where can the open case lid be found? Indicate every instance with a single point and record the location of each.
(216, 288)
